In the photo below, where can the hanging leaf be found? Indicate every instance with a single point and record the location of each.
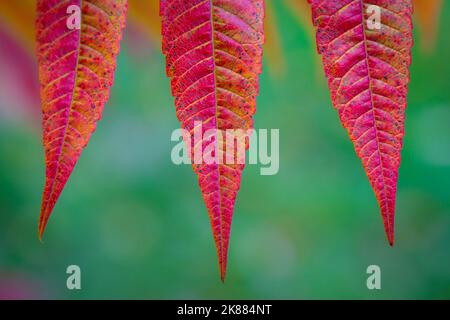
(428, 14)
(77, 45)
(214, 52)
(367, 68)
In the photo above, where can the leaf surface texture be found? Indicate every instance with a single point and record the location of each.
(76, 68)
(213, 50)
(368, 75)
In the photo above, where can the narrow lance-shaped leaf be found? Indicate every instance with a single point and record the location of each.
(214, 51)
(366, 48)
(77, 45)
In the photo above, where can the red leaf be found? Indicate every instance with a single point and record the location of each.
(76, 68)
(368, 74)
(214, 51)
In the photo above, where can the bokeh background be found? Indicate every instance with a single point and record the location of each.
(136, 224)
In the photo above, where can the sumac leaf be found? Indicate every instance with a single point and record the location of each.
(76, 69)
(213, 50)
(368, 74)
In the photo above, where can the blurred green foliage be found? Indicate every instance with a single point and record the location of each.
(137, 226)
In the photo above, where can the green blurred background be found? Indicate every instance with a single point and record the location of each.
(136, 224)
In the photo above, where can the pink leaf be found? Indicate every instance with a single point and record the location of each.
(368, 75)
(76, 69)
(214, 52)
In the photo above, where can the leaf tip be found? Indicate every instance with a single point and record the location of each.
(222, 273)
(222, 255)
(41, 226)
(390, 238)
(389, 230)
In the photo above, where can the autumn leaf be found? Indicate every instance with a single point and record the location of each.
(214, 52)
(367, 66)
(76, 67)
(427, 13)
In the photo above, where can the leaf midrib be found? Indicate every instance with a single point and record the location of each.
(75, 84)
(221, 248)
(372, 103)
